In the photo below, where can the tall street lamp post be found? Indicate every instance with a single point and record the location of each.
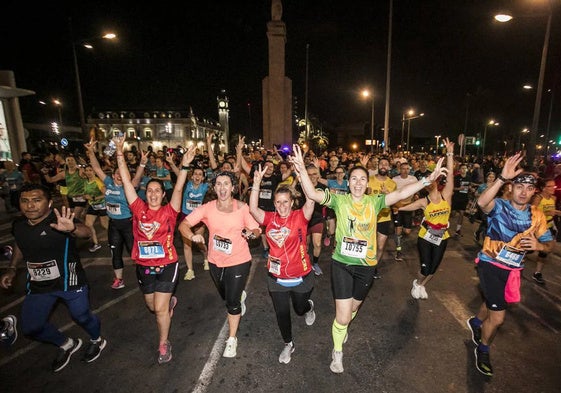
(489, 123)
(410, 116)
(437, 140)
(85, 44)
(366, 94)
(531, 152)
(58, 104)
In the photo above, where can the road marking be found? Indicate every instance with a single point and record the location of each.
(454, 306)
(216, 353)
(66, 327)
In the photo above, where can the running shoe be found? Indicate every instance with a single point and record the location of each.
(416, 290)
(286, 353)
(377, 275)
(398, 256)
(164, 353)
(537, 276)
(336, 365)
(189, 275)
(231, 346)
(266, 253)
(172, 304)
(95, 247)
(423, 292)
(63, 356)
(94, 349)
(317, 269)
(9, 333)
(205, 265)
(118, 283)
(475, 330)
(310, 315)
(476, 237)
(483, 362)
(242, 300)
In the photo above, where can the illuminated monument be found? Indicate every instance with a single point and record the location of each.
(277, 88)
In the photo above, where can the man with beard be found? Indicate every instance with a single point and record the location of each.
(382, 184)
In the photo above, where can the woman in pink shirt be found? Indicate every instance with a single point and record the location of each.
(229, 226)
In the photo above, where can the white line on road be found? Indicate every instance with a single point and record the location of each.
(454, 306)
(216, 353)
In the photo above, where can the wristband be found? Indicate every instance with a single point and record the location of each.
(449, 154)
(185, 168)
(425, 181)
(500, 177)
(143, 165)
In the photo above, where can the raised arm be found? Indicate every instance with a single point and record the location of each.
(255, 211)
(307, 186)
(211, 159)
(240, 161)
(130, 192)
(90, 151)
(448, 190)
(171, 162)
(186, 160)
(486, 200)
(410, 189)
(140, 169)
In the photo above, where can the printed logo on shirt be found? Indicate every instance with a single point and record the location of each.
(278, 235)
(149, 228)
(43, 233)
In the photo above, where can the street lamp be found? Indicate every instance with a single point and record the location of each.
(87, 45)
(489, 123)
(531, 153)
(524, 131)
(366, 93)
(410, 116)
(58, 104)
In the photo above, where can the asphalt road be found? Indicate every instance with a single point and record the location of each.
(396, 344)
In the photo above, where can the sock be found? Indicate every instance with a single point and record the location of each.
(68, 344)
(315, 260)
(483, 348)
(398, 242)
(338, 332)
(458, 227)
(477, 322)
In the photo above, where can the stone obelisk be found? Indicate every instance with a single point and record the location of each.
(277, 88)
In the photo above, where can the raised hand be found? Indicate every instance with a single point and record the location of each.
(258, 175)
(509, 170)
(120, 143)
(449, 145)
(189, 155)
(297, 159)
(64, 220)
(438, 170)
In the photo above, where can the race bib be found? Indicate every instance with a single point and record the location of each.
(274, 265)
(433, 238)
(150, 250)
(98, 206)
(265, 194)
(221, 244)
(355, 248)
(511, 256)
(43, 271)
(113, 208)
(192, 205)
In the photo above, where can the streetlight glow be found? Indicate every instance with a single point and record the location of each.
(503, 18)
(366, 94)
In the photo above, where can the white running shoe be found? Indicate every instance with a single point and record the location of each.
(286, 353)
(310, 315)
(416, 290)
(423, 292)
(231, 346)
(336, 365)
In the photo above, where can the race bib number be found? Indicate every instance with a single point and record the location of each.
(274, 265)
(355, 248)
(192, 205)
(511, 256)
(265, 194)
(98, 206)
(113, 208)
(432, 238)
(43, 271)
(221, 244)
(78, 199)
(150, 250)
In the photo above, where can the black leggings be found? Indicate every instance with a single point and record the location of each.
(119, 235)
(281, 302)
(230, 282)
(431, 255)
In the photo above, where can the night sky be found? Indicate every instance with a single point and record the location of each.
(169, 57)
